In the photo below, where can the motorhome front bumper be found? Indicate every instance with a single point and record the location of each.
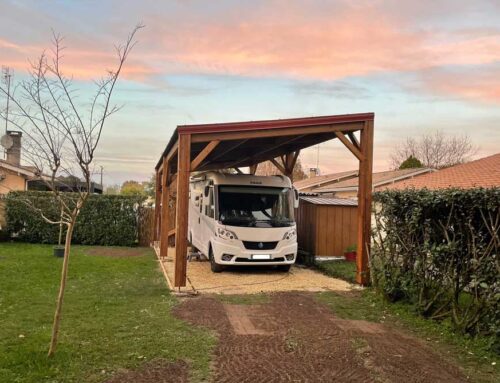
(236, 253)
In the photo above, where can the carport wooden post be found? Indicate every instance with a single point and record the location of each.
(165, 195)
(181, 216)
(364, 203)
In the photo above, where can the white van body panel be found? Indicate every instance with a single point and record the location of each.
(250, 242)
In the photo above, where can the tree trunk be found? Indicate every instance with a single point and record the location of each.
(60, 227)
(60, 298)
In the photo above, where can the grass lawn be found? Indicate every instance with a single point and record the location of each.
(116, 316)
(338, 269)
(473, 355)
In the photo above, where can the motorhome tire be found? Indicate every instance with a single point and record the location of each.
(214, 266)
(194, 249)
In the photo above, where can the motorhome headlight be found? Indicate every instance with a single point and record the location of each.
(226, 234)
(290, 234)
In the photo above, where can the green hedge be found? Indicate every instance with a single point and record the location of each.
(439, 250)
(106, 220)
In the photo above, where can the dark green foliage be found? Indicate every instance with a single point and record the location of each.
(107, 220)
(411, 163)
(439, 251)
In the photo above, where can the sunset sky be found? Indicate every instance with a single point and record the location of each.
(420, 66)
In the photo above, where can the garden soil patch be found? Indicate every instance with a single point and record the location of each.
(156, 371)
(108, 251)
(293, 338)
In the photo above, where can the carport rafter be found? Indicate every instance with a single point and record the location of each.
(245, 144)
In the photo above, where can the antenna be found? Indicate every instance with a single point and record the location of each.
(7, 77)
(317, 161)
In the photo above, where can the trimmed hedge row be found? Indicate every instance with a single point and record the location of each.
(439, 250)
(107, 220)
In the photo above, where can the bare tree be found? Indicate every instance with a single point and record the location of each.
(61, 138)
(267, 168)
(434, 150)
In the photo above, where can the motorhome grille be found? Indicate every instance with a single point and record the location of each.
(250, 245)
(280, 259)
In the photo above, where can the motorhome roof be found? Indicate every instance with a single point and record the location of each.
(220, 178)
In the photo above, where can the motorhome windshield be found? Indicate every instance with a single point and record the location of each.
(255, 206)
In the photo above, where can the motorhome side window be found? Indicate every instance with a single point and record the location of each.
(209, 208)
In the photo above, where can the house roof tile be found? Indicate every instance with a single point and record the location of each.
(484, 172)
(327, 178)
(378, 179)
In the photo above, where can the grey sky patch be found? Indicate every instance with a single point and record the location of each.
(336, 89)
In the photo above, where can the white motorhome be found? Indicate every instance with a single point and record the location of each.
(239, 219)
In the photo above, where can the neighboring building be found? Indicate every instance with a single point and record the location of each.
(13, 175)
(349, 188)
(309, 185)
(484, 172)
(17, 177)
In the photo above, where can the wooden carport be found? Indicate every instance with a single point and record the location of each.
(246, 144)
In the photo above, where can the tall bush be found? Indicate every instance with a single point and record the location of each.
(107, 220)
(439, 251)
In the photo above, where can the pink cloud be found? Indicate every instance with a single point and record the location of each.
(280, 39)
(480, 84)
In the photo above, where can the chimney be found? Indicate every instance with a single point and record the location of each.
(313, 172)
(14, 152)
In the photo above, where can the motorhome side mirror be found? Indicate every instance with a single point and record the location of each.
(207, 190)
(296, 198)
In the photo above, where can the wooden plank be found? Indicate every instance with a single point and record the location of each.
(203, 154)
(253, 168)
(181, 217)
(271, 148)
(353, 139)
(173, 151)
(328, 229)
(278, 165)
(165, 197)
(364, 204)
(231, 147)
(242, 135)
(348, 144)
(308, 142)
(171, 232)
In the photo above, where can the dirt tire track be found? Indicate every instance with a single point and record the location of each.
(305, 342)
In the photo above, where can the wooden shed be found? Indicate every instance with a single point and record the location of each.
(326, 226)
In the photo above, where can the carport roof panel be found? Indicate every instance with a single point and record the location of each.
(274, 124)
(304, 122)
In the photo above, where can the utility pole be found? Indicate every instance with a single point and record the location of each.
(102, 169)
(7, 76)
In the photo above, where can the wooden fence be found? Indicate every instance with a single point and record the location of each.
(145, 225)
